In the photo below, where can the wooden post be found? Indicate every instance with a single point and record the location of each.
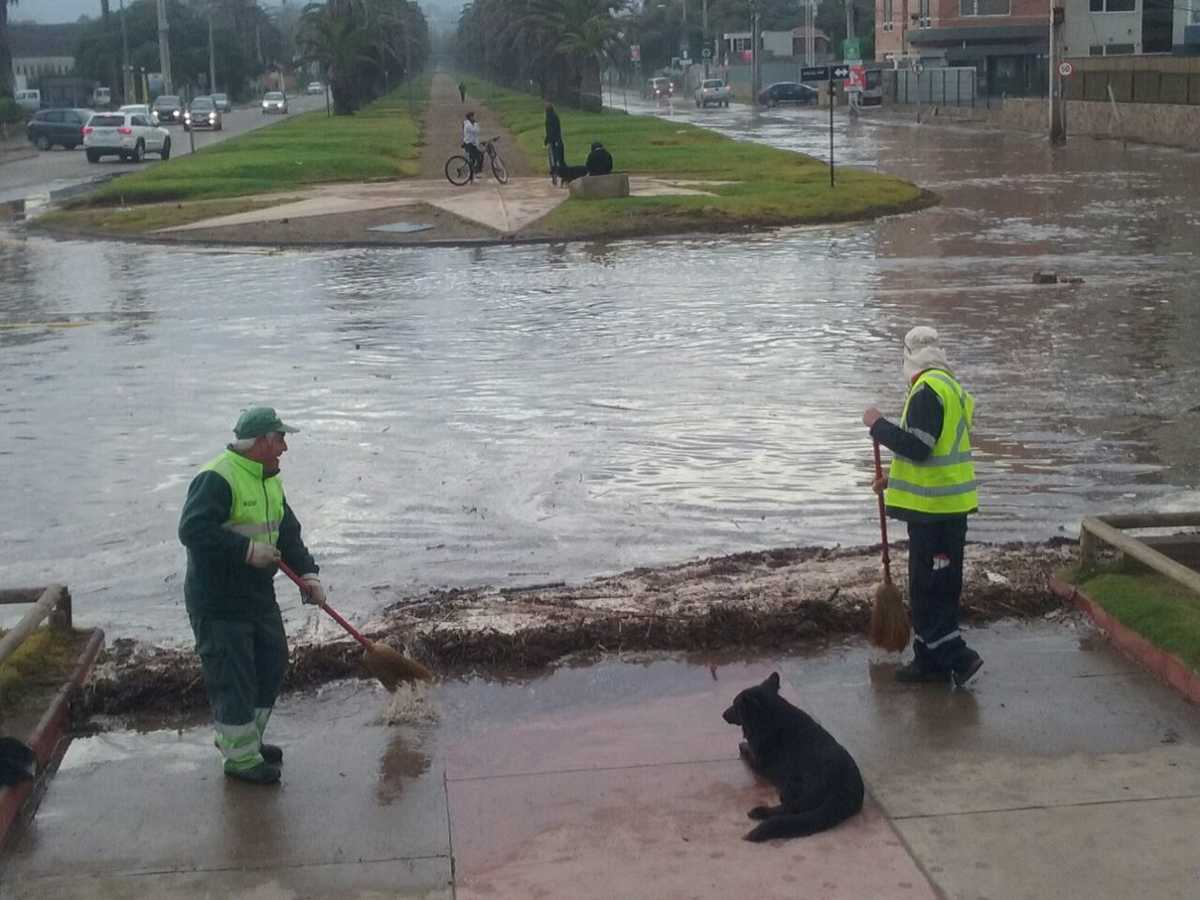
(1160, 563)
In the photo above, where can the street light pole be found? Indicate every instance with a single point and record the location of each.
(126, 75)
(212, 65)
(754, 74)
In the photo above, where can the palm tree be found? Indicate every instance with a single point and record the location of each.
(329, 35)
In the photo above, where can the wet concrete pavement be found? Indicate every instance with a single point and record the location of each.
(1063, 772)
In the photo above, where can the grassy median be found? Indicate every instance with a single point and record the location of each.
(381, 141)
(763, 186)
(1159, 609)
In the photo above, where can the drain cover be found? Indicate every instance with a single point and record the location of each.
(401, 227)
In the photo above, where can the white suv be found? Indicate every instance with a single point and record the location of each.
(128, 134)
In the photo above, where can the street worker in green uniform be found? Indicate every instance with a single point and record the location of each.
(931, 487)
(236, 525)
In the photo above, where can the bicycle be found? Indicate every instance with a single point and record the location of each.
(459, 169)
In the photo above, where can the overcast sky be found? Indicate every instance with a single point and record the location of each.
(70, 10)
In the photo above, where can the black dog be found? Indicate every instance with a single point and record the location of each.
(17, 762)
(818, 781)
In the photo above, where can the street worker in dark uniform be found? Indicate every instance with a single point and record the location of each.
(236, 525)
(599, 160)
(931, 487)
(554, 140)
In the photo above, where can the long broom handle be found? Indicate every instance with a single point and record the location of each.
(354, 633)
(887, 562)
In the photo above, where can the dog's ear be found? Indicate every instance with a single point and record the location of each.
(772, 682)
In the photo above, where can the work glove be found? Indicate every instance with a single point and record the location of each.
(315, 593)
(262, 556)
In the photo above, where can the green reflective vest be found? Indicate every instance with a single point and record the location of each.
(944, 483)
(257, 508)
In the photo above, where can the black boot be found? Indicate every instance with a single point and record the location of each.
(271, 754)
(965, 666)
(260, 774)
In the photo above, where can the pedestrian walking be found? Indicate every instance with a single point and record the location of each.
(554, 140)
(236, 525)
(931, 487)
(462, 92)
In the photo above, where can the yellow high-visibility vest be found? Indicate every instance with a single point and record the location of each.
(257, 508)
(944, 483)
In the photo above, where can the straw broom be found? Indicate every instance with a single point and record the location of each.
(889, 628)
(391, 667)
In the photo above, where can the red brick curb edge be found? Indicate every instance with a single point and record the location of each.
(1166, 666)
(47, 742)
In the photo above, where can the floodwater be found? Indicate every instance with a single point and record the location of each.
(541, 413)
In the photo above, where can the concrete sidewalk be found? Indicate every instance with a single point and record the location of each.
(1065, 772)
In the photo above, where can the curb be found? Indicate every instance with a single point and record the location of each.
(47, 742)
(1167, 667)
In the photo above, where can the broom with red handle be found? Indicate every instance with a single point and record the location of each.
(390, 666)
(889, 628)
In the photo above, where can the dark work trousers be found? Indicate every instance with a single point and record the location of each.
(474, 157)
(935, 576)
(243, 662)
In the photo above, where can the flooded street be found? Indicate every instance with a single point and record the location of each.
(513, 415)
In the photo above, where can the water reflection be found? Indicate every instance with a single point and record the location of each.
(491, 415)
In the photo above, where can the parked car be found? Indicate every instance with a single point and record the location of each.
(788, 92)
(658, 88)
(167, 109)
(714, 91)
(221, 101)
(30, 101)
(274, 102)
(102, 98)
(315, 87)
(203, 113)
(57, 126)
(124, 133)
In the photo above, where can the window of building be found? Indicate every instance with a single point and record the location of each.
(1118, 49)
(887, 15)
(923, 20)
(1109, 6)
(1096, 50)
(984, 7)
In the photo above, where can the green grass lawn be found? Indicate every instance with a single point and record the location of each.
(771, 187)
(1157, 608)
(380, 141)
(46, 656)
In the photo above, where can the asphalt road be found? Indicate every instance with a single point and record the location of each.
(56, 169)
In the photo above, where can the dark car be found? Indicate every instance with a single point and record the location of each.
(57, 126)
(167, 109)
(221, 101)
(203, 113)
(788, 92)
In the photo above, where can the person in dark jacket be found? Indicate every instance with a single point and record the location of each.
(599, 161)
(236, 525)
(931, 487)
(462, 92)
(554, 140)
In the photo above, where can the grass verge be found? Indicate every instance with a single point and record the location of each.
(1157, 608)
(150, 216)
(768, 187)
(381, 141)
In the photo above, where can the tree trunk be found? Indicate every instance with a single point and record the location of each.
(6, 72)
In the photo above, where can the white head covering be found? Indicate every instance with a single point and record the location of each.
(923, 351)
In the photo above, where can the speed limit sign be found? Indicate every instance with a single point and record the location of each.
(1065, 69)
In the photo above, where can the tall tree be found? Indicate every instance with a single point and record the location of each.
(6, 72)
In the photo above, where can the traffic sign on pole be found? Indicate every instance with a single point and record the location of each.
(1065, 69)
(841, 71)
(814, 73)
(706, 53)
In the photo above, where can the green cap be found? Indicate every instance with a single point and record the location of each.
(259, 420)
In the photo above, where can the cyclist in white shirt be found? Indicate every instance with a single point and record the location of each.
(471, 142)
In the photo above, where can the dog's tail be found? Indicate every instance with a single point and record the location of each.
(800, 824)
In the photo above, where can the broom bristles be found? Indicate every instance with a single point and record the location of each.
(392, 667)
(889, 628)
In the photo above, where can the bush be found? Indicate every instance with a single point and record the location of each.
(10, 112)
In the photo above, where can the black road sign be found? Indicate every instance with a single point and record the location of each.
(814, 73)
(841, 71)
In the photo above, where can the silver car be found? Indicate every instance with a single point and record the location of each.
(274, 102)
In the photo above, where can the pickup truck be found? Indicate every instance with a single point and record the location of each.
(714, 91)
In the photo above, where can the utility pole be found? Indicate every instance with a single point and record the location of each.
(164, 46)
(850, 25)
(212, 64)
(1058, 129)
(704, 28)
(754, 72)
